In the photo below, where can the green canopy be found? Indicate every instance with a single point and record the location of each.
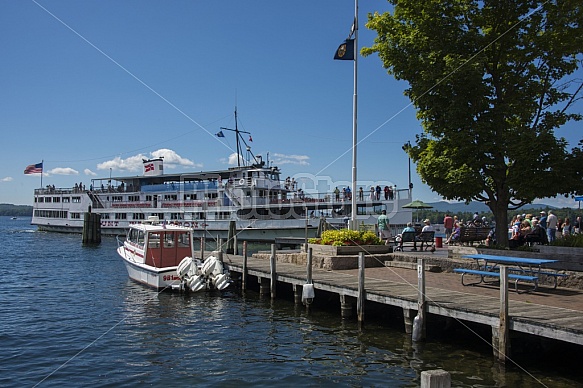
(417, 204)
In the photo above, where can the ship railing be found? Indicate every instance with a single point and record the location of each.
(52, 191)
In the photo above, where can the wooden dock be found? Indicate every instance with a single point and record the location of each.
(542, 320)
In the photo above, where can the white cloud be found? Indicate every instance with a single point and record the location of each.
(172, 159)
(233, 159)
(7, 179)
(279, 159)
(89, 172)
(135, 163)
(63, 171)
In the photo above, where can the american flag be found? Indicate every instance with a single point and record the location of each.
(34, 169)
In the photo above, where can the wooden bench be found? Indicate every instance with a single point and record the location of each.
(494, 274)
(427, 238)
(469, 234)
(406, 237)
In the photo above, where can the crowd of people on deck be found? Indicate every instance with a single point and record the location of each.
(529, 229)
(375, 193)
(523, 229)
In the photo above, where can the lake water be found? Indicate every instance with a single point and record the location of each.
(70, 317)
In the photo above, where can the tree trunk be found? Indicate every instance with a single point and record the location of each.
(500, 211)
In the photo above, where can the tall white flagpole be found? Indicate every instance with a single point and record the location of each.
(354, 225)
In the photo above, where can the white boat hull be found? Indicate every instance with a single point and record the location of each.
(158, 278)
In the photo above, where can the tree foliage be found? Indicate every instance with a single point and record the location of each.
(491, 81)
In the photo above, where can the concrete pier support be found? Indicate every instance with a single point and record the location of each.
(345, 306)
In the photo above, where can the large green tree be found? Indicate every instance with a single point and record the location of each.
(491, 81)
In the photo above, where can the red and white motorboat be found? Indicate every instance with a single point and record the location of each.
(162, 256)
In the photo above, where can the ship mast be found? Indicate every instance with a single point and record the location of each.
(239, 140)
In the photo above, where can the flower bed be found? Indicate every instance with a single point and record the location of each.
(345, 237)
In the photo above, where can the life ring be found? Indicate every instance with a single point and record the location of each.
(242, 181)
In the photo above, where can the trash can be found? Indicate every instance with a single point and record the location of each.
(439, 242)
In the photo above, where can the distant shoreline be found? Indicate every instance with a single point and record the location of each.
(10, 210)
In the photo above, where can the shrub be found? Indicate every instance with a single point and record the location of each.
(573, 240)
(344, 237)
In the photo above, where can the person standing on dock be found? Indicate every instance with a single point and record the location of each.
(552, 223)
(383, 225)
(448, 225)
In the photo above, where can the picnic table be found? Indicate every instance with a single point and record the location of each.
(519, 269)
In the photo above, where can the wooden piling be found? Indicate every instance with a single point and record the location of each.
(502, 348)
(309, 267)
(244, 274)
(421, 307)
(345, 306)
(273, 268)
(435, 379)
(361, 291)
(91, 228)
(202, 247)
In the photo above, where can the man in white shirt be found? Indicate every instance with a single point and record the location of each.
(551, 226)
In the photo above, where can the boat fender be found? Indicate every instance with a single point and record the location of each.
(242, 182)
(417, 327)
(184, 267)
(308, 293)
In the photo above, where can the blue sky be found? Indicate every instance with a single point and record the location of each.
(95, 86)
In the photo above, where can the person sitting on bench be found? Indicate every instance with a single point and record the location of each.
(455, 236)
(426, 228)
(408, 228)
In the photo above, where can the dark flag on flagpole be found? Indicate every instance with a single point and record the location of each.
(220, 134)
(345, 51)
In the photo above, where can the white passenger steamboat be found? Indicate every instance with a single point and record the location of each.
(253, 195)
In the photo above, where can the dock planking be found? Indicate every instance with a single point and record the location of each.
(532, 318)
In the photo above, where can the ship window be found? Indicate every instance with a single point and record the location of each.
(168, 239)
(176, 216)
(116, 198)
(134, 198)
(105, 216)
(66, 199)
(120, 216)
(159, 215)
(141, 237)
(51, 213)
(56, 199)
(148, 197)
(76, 216)
(139, 216)
(154, 240)
(41, 199)
(48, 199)
(76, 199)
(183, 240)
